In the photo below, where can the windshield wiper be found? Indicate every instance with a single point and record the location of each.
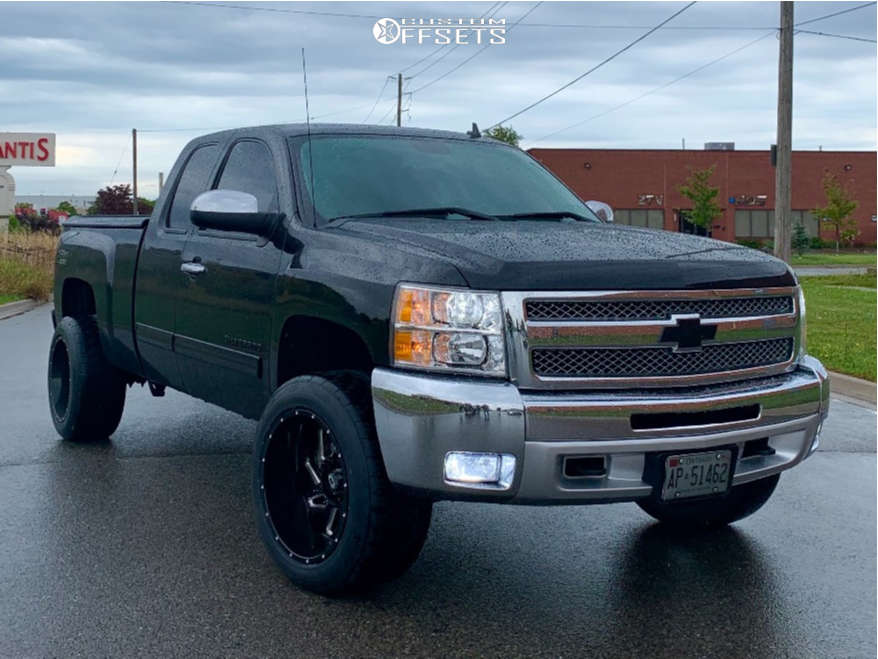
(437, 211)
(547, 215)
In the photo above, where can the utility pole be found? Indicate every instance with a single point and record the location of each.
(161, 180)
(134, 165)
(783, 175)
(399, 99)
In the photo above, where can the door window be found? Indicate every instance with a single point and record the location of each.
(251, 169)
(193, 181)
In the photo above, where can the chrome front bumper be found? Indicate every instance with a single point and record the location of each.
(420, 418)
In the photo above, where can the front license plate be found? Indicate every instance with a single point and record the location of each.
(696, 474)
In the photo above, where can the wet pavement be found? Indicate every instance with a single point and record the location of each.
(145, 546)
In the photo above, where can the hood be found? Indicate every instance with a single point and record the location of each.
(529, 255)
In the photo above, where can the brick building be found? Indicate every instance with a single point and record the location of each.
(641, 186)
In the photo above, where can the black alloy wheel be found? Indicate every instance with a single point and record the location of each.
(325, 509)
(305, 487)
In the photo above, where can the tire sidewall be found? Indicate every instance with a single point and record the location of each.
(70, 333)
(328, 402)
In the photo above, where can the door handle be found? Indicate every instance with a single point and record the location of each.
(192, 268)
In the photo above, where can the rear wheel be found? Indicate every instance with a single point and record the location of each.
(325, 509)
(742, 501)
(86, 392)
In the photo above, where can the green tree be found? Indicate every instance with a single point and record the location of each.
(505, 134)
(698, 190)
(838, 209)
(113, 200)
(67, 207)
(800, 241)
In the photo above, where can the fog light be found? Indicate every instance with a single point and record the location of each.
(494, 470)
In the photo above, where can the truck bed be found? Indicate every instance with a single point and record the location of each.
(102, 252)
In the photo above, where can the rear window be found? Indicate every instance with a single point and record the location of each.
(193, 181)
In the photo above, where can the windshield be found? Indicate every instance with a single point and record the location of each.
(360, 175)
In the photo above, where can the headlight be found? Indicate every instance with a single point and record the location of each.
(802, 327)
(447, 329)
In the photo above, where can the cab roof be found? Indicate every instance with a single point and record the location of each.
(295, 130)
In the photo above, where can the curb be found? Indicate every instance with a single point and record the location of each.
(16, 308)
(852, 387)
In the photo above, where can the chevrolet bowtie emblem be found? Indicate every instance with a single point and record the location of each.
(688, 334)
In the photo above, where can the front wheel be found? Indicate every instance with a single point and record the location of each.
(324, 506)
(742, 501)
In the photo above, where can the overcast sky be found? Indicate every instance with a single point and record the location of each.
(92, 71)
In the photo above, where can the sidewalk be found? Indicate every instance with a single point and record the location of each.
(11, 309)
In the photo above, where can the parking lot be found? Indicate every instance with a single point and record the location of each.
(146, 546)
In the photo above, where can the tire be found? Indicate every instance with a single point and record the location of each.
(742, 501)
(325, 509)
(86, 392)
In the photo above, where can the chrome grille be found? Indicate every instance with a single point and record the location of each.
(616, 310)
(659, 361)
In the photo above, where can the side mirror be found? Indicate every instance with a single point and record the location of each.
(230, 210)
(601, 209)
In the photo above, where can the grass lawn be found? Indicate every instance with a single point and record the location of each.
(5, 299)
(830, 258)
(841, 322)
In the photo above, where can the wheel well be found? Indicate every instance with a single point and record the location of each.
(77, 298)
(312, 345)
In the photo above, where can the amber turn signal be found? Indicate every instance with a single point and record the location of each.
(413, 347)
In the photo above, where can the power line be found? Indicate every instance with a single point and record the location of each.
(660, 87)
(594, 68)
(118, 164)
(537, 25)
(433, 52)
(837, 36)
(495, 8)
(475, 54)
(272, 9)
(377, 100)
(837, 13)
(586, 26)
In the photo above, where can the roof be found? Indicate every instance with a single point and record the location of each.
(290, 130)
(585, 150)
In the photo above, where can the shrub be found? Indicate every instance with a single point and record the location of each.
(818, 243)
(750, 242)
(800, 240)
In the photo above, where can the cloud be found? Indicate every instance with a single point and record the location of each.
(92, 71)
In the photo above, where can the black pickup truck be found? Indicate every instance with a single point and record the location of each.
(417, 315)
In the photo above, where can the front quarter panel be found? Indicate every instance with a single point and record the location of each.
(349, 281)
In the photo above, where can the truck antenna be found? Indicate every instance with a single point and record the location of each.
(310, 152)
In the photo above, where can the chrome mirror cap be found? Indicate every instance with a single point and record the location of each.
(225, 201)
(603, 210)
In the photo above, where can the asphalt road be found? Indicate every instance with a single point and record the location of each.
(145, 546)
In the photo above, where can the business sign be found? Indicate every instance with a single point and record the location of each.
(27, 149)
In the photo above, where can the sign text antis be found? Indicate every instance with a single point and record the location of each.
(27, 149)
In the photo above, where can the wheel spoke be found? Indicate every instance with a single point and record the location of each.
(313, 473)
(330, 522)
(321, 455)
